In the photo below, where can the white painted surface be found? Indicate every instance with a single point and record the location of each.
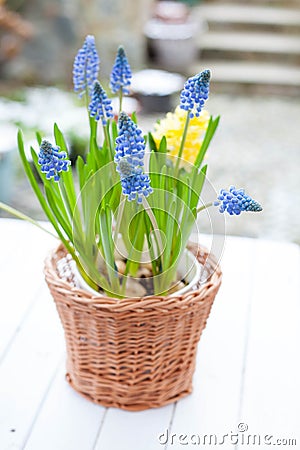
(248, 359)
(271, 400)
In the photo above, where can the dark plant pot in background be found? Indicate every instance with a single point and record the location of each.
(154, 89)
(155, 103)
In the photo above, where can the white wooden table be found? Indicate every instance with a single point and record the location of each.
(248, 370)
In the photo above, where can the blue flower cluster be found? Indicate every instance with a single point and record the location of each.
(194, 93)
(121, 75)
(100, 106)
(130, 152)
(86, 67)
(52, 161)
(236, 201)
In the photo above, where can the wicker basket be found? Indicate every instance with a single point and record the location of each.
(133, 353)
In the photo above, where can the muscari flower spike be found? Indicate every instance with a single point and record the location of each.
(121, 75)
(236, 201)
(100, 106)
(129, 157)
(52, 161)
(194, 93)
(86, 67)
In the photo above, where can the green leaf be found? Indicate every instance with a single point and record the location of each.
(114, 130)
(201, 179)
(108, 247)
(197, 185)
(80, 171)
(169, 230)
(59, 212)
(211, 129)
(93, 142)
(163, 145)
(59, 139)
(133, 117)
(152, 143)
(67, 191)
(38, 137)
(137, 237)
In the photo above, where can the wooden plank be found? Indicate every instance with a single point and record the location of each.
(271, 400)
(137, 430)
(271, 393)
(251, 72)
(213, 407)
(66, 420)
(23, 250)
(61, 402)
(134, 430)
(27, 371)
(249, 15)
(250, 42)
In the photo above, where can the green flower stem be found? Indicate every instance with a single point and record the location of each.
(105, 221)
(108, 141)
(64, 198)
(93, 131)
(128, 263)
(201, 208)
(120, 100)
(92, 122)
(119, 217)
(183, 139)
(155, 227)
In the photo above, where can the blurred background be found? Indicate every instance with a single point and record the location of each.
(252, 48)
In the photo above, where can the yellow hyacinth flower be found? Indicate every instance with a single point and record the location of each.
(172, 127)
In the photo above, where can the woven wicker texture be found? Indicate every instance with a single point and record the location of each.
(132, 354)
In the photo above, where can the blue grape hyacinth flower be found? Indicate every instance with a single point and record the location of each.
(129, 157)
(100, 105)
(86, 67)
(236, 201)
(121, 75)
(195, 92)
(52, 160)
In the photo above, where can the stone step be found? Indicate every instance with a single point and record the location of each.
(238, 17)
(277, 3)
(250, 46)
(247, 77)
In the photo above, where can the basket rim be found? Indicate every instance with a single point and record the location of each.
(75, 295)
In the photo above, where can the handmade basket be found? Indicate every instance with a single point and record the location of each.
(134, 353)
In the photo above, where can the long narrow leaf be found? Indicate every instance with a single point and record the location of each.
(60, 216)
(169, 235)
(163, 145)
(105, 235)
(38, 137)
(211, 129)
(152, 143)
